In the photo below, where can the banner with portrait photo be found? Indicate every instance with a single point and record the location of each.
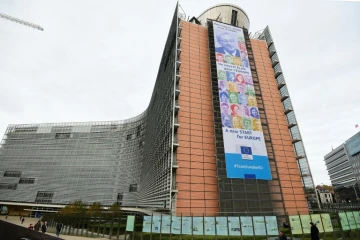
(244, 144)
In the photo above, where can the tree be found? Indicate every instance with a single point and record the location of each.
(115, 207)
(324, 187)
(327, 187)
(95, 208)
(75, 207)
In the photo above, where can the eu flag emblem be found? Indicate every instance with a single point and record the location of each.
(246, 153)
(246, 150)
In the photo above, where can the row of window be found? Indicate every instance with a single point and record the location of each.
(12, 173)
(8, 186)
(44, 197)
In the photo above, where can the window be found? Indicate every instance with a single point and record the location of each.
(128, 137)
(44, 197)
(26, 129)
(63, 135)
(233, 17)
(8, 186)
(27, 180)
(12, 174)
(133, 188)
(120, 197)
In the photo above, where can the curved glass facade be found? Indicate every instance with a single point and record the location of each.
(54, 163)
(126, 161)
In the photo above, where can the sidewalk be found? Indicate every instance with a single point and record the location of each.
(16, 220)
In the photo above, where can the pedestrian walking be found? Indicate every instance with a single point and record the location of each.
(43, 228)
(22, 220)
(314, 232)
(282, 236)
(58, 229)
(37, 226)
(31, 227)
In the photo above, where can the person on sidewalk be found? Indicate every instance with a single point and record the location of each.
(314, 232)
(58, 228)
(282, 236)
(37, 226)
(22, 220)
(31, 227)
(43, 228)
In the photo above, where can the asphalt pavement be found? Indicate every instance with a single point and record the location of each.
(28, 221)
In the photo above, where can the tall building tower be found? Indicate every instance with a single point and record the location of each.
(234, 97)
(219, 135)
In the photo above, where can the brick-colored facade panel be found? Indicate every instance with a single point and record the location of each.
(196, 157)
(284, 154)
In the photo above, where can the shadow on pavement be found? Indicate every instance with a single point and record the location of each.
(11, 231)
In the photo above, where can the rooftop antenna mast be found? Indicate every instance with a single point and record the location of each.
(19, 21)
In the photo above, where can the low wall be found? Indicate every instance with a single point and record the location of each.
(11, 231)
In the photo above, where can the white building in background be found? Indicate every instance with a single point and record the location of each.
(324, 196)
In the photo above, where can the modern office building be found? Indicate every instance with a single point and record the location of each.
(219, 135)
(343, 165)
(352, 146)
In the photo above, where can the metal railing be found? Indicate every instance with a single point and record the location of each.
(336, 224)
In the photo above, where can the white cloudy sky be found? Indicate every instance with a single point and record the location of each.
(98, 60)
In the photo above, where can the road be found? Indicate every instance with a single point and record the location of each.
(28, 221)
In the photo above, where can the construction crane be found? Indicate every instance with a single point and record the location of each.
(13, 19)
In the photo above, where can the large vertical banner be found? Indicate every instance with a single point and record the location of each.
(197, 226)
(271, 225)
(326, 220)
(234, 226)
(305, 222)
(351, 219)
(166, 224)
(147, 224)
(130, 223)
(295, 224)
(245, 151)
(222, 226)
(259, 226)
(344, 221)
(209, 226)
(357, 218)
(175, 225)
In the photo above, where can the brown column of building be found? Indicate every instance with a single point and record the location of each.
(196, 173)
(289, 174)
